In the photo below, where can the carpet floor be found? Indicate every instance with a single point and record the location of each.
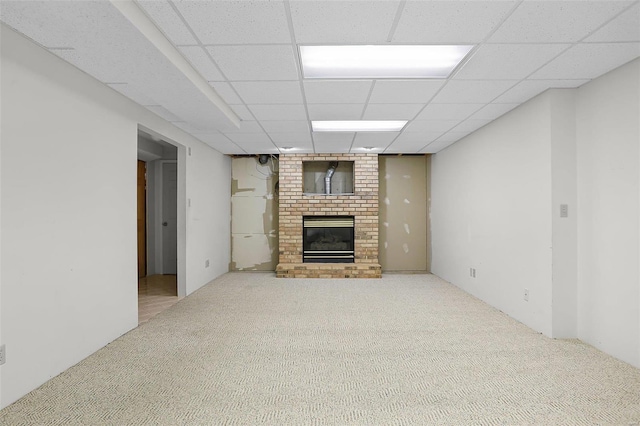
(250, 349)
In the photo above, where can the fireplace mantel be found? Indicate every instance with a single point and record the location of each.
(362, 204)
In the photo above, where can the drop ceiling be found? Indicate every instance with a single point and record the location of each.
(248, 53)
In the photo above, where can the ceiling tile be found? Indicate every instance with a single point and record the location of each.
(337, 92)
(292, 139)
(220, 142)
(452, 136)
(437, 146)
(259, 147)
(508, 61)
(527, 89)
(279, 112)
(201, 62)
(587, 61)
(243, 112)
(493, 111)
(470, 125)
(412, 142)
(375, 140)
(133, 93)
(269, 92)
(168, 21)
(232, 22)
(288, 126)
(431, 125)
(249, 138)
(335, 111)
(448, 111)
(344, 22)
(163, 112)
(391, 111)
(255, 62)
(226, 92)
(404, 92)
(555, 21)
(625, 27)
(452, 22)
(246, 127)
(468, 91)
(327, 142)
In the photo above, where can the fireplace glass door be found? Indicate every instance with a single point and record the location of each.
(328, 239)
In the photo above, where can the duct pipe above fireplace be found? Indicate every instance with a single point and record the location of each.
(327, 178)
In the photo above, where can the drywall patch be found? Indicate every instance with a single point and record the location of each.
(407, 201)
(406, 228)
(405, 247)
(387, 201)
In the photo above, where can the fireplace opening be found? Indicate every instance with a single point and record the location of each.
(328, 239)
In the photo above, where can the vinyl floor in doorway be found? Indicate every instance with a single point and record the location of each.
(250, 349)
(155, 294)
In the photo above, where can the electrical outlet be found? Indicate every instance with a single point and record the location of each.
(472, 272)
(206, 263)
(526, 294)
(3, 354)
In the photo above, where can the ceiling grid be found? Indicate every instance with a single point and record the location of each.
(247, 51)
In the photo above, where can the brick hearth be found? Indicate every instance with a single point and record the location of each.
(362, 205)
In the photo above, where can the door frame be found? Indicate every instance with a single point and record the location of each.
(181, 205)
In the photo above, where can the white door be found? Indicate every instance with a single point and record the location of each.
(169, 218)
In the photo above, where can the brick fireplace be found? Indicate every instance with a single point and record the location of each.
(361, 204)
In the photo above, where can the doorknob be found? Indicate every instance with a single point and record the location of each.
(165, 223)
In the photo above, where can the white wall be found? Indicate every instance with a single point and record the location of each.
(490, 210)
(608, 117)
(496, 199)
(68, 225)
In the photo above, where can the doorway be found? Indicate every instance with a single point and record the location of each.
(158, 217)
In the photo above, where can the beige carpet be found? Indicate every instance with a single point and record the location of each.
(405, 350)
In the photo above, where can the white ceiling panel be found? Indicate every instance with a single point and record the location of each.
(332, 142)
(527, 89)
(337, 92)
(587, 61)
(259, 148)
(166, 18)
(412, 142)
(292, 139)
(452, 136)
(492, 111)
(342, 21)
(431, 126)
(404, 92)
(279, 112)
(220, 142)
(188, 127)
(335, 111)
(243, 112)
(133, 93)
(236, 22)
(625, 27)
(391, 111)
(374, 140)
(249, 138)
(246, 127)
(508, 61)
(269, 92)
(226, 92)
(472, 92)
(437, 146)
(164, 113)
(555, 21)
(240, 63)
(453, 22)
(470, 125)
(448, 111)
(201, 62)
(298, 126)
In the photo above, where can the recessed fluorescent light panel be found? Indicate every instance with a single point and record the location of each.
(358, 126)
(381, 61)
